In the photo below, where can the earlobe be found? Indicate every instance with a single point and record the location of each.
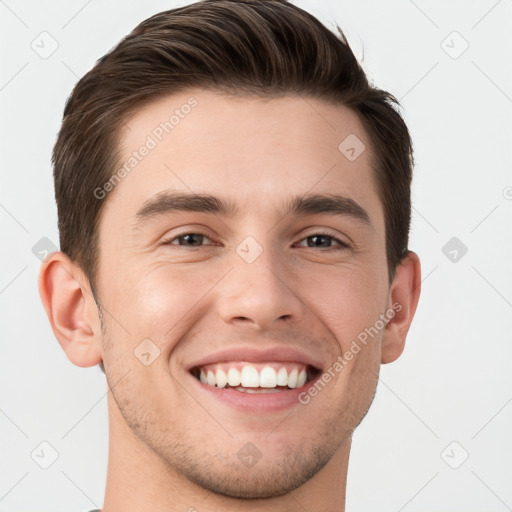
(403, 299)
(71, 309)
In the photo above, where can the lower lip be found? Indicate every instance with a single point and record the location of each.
(256, 402)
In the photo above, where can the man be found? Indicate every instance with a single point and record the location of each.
(234, 208)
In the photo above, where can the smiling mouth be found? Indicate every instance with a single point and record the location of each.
(271, 377)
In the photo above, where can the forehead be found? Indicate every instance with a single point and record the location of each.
(245, 149)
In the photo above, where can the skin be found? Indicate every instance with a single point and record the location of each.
(170, 448)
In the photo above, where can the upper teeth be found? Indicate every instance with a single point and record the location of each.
(250, 377)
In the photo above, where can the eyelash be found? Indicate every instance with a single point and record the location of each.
(343, 246)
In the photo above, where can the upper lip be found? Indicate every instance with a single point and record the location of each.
(252, 355)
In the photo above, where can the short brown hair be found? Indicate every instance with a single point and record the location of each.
(263, 48)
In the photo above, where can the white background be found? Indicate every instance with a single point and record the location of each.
(454, 380)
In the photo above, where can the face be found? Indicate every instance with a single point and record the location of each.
(222, 312)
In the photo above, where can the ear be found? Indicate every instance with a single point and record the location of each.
(403, 299)
(71, 309)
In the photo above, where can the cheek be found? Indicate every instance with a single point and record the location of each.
(353, 314)
(347, 301)
(160, 301)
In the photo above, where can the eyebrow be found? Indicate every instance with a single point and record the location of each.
(171, 202)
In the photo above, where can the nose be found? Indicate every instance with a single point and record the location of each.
(260, 294)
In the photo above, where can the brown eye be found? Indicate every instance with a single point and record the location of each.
(187, 240)
(325, 241)
(319, 240)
